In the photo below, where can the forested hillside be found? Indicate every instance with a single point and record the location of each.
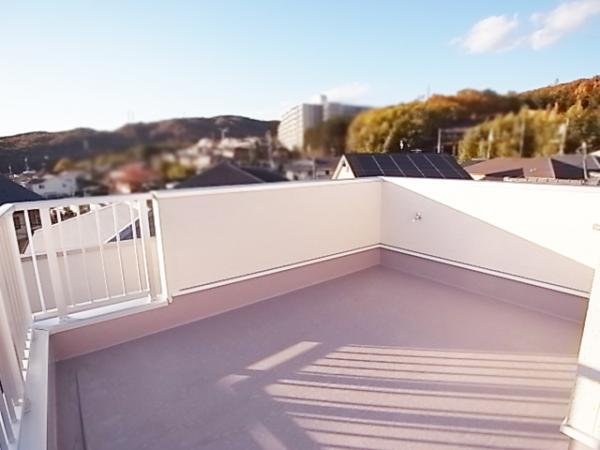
(536, 122)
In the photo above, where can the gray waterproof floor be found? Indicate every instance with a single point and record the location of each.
(374, 360)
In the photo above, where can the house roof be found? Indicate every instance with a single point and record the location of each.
(266, 175)
(592, 161)
(226, 173)
(11, 192)
(415, 165)
(512, 167)
(560, 166)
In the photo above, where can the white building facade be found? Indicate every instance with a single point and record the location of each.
(55, 186)
(301, 117)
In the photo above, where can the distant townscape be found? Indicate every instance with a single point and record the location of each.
(547, 135)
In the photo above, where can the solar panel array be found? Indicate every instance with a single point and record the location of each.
(414, 165)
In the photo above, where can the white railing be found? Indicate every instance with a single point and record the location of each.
(79, 254)
(15, 333)
(60, 258)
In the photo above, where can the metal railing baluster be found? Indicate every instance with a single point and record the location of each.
(36, 269)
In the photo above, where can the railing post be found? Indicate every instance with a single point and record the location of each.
(11, 376)
(54, 269)
(17, 264)
(160, 249)
(143, 217)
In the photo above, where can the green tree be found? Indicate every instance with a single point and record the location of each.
(527, 133)
(329, 137)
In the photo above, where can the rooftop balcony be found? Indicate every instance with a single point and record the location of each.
(365, 314)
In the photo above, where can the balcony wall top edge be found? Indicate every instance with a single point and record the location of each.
(588, 189)
(171, 193)
(190, 192)
(74, 201)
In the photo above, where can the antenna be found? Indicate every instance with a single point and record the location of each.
(223, 132)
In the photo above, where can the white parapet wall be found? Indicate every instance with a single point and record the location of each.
(212, 235)
(535, 233)
(583, 421)
(532, 233)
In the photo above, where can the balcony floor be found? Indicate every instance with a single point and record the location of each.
(374, 360)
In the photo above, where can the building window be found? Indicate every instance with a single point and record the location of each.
(34, 218)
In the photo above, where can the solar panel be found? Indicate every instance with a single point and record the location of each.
(406, 166)
(389, 166)
(415, 165)
(454, 169)
(427, 167)
(364, 165)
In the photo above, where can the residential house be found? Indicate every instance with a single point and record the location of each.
(311, 169)
(132, 177)
(227, 173)
(411, 165)
(11, 192)
(64, 184)
(542, 169)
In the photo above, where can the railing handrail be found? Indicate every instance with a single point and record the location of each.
(71, 201)
(5, 208)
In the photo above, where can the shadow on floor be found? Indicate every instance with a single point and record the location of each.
(374, 360)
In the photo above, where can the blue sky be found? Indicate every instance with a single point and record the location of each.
(99, 64)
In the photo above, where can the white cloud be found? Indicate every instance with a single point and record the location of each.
(496, 33)
(562, 20)
(347, 92)
(491, 34)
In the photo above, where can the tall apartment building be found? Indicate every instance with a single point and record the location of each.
(308, 115)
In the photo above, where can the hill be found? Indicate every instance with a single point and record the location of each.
(416, 124)
(564, 95)
(44, 148)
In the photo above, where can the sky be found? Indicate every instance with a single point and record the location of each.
(67, 64)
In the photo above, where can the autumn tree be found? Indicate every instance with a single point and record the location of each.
(329, 137)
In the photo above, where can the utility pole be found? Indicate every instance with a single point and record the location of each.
(584, 166)
(490, 141)
(522, 138)
(223, 132)
(439, 141)
(269, 139)
(563, 138)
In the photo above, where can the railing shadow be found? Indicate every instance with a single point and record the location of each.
(232, 382)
